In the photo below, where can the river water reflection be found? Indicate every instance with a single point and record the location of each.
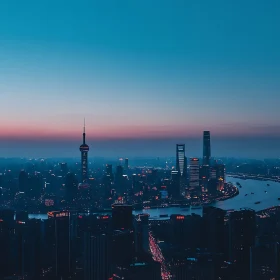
(267, 195)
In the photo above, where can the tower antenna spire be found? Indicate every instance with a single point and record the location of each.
(84, 134)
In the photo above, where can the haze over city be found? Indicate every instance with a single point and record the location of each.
(144, 75)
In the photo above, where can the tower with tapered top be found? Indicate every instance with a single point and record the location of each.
(84, 148)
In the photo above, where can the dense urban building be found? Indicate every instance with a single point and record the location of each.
(103, 225)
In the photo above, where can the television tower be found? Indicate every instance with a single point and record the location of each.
(84, 148)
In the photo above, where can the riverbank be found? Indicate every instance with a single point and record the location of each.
(254, 177)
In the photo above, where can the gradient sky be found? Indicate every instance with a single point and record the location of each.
(145, 74)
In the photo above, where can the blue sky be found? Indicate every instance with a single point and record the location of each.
(139, 71)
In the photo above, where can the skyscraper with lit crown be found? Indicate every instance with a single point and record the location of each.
(84, 148)
(181, 159)
(181, 165)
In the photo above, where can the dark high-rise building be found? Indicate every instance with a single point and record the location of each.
(126, 165)
(119, 180)
(64, 168)
(265, 261)
(186, 230)
(181, 164)
(59, 228)
(96, 256)
(6, 243)
(35, 185)
(194, 174)
(122, 247)
(108, 179)
(23, 181)
(175, 184)
(71, 186)
(177, 229)
(109, 170)
(122, 216)
(242, 226)
(206, 148)
(84, 148)
(214, 228)
(141, 225)
(30, 249)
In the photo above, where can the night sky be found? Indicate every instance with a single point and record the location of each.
(145, 74)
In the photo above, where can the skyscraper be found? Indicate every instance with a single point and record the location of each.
(206, 148)
(242, 227)
(126, 165)
(71, 187)
(23, 181)
(96, 256)
(119, 179)
(84, 148)
(213, 222)
(58, 224)
(181, 159)
(175, 184)
(109, 170)
(122, 216)
(220, 176)
(194, 173)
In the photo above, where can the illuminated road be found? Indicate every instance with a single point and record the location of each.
(158, 257)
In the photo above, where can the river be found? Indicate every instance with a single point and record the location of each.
(267, 195)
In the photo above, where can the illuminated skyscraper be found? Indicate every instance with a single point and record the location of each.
(194, 173)
(206, 148)
(84, 148)
(205, 170)
(181, 164)
(220, 175)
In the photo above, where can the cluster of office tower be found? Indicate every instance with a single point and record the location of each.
(195, 175)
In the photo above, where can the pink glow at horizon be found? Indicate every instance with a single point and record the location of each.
(73, 131)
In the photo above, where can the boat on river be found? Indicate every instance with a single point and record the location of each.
(258, 202)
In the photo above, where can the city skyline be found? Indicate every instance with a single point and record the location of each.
(141, 74)
(139, 140)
